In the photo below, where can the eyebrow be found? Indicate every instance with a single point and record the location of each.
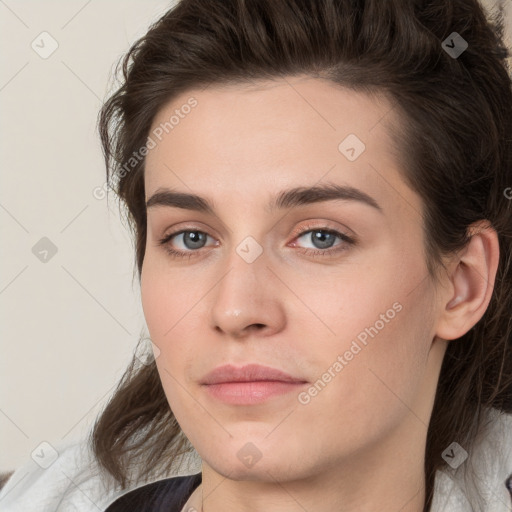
(295, 197)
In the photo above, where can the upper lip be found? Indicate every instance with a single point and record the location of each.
(247, 373)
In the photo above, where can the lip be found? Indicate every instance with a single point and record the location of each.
(247, 373)
(250, 384)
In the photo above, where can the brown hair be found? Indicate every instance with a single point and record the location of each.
(454, 147)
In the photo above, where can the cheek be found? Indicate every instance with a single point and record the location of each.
(155, 302)
(374, 389)
(377, 347)
(162, 312)
(170, 317)
(394, 362)
(166, 298)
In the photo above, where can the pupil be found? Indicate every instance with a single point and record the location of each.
(322, 239)
(194, 239)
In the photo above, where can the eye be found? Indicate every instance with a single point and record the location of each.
(320, 238)
(323, 241)
(186, 242)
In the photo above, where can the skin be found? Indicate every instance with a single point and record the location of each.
(365, 431)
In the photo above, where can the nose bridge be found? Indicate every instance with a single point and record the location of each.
(243, 296)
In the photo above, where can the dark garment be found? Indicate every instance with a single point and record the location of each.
(169, 495)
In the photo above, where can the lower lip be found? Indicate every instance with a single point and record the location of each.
(248, 393)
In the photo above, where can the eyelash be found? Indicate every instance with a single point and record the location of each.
(310, 252)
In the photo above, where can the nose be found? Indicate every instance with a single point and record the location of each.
(247, 300)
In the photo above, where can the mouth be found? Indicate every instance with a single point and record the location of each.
(249, 393)
(250, 384)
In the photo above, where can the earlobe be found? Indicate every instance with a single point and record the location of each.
(472, 283)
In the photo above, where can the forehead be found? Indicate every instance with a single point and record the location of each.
(285, 132)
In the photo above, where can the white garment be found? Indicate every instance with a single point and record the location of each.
(71, 484)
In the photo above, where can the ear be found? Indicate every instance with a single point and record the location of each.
(470, 283)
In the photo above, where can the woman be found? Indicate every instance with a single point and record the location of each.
(320, 194)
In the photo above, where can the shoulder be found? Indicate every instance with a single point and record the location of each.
(66, 477)
(48, 479)
(481, 474)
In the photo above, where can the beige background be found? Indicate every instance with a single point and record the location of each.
(70, 324)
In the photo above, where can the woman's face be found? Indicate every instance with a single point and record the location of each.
(330, 288)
